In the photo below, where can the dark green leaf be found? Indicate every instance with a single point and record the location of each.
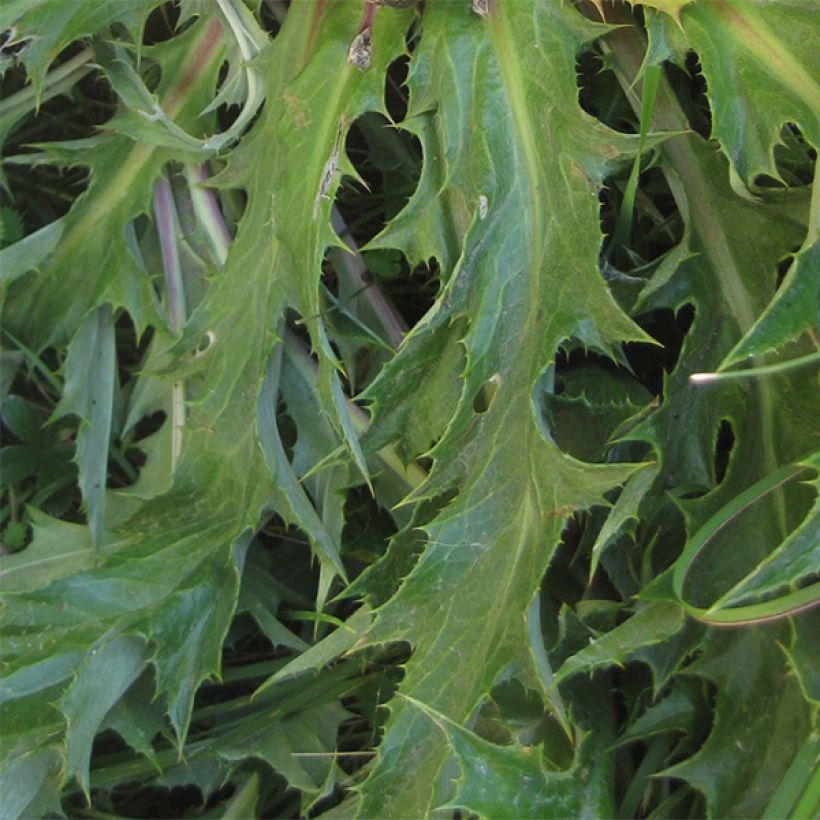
(761, 721)
(90, 396)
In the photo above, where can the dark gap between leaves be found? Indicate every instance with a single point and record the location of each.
(724, 442)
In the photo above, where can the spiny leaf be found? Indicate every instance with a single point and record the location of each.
(182, 552)
(200, 609)
(297, 746)
(671, 7)
(769, 418)
(261, 595)
(793, 561)
(722, 315)
(512, 781)
(761, 721)
(652, 624)
(143, 118)
(419, 417)
(794, 310)
(46, 308)
(527, 216)
(29, 253)
(675, 712)
(591, 407)
(327, 650)
(804, 655)
(507, 206)
(665, 39)
(197, 590)
(758, 64)
(292, 499)
(137, 717)
(46, 27)
(626, 508)
(100, 682)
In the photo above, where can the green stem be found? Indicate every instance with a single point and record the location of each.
(207, 212)
(796, 785)
(37, 363)
(12, 502)
(788, 604)
(653, 760)
(763, 370)
(55, 82)
(624, 224)
(242, 24)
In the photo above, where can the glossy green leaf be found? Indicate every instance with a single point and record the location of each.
(794, 309)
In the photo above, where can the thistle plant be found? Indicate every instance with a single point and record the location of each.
(410, 408)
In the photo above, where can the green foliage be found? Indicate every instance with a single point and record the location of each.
(406, 411)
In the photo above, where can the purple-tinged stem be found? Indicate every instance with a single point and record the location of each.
(167, 222)
(349, 265)
(207, 211)
(360, 282)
